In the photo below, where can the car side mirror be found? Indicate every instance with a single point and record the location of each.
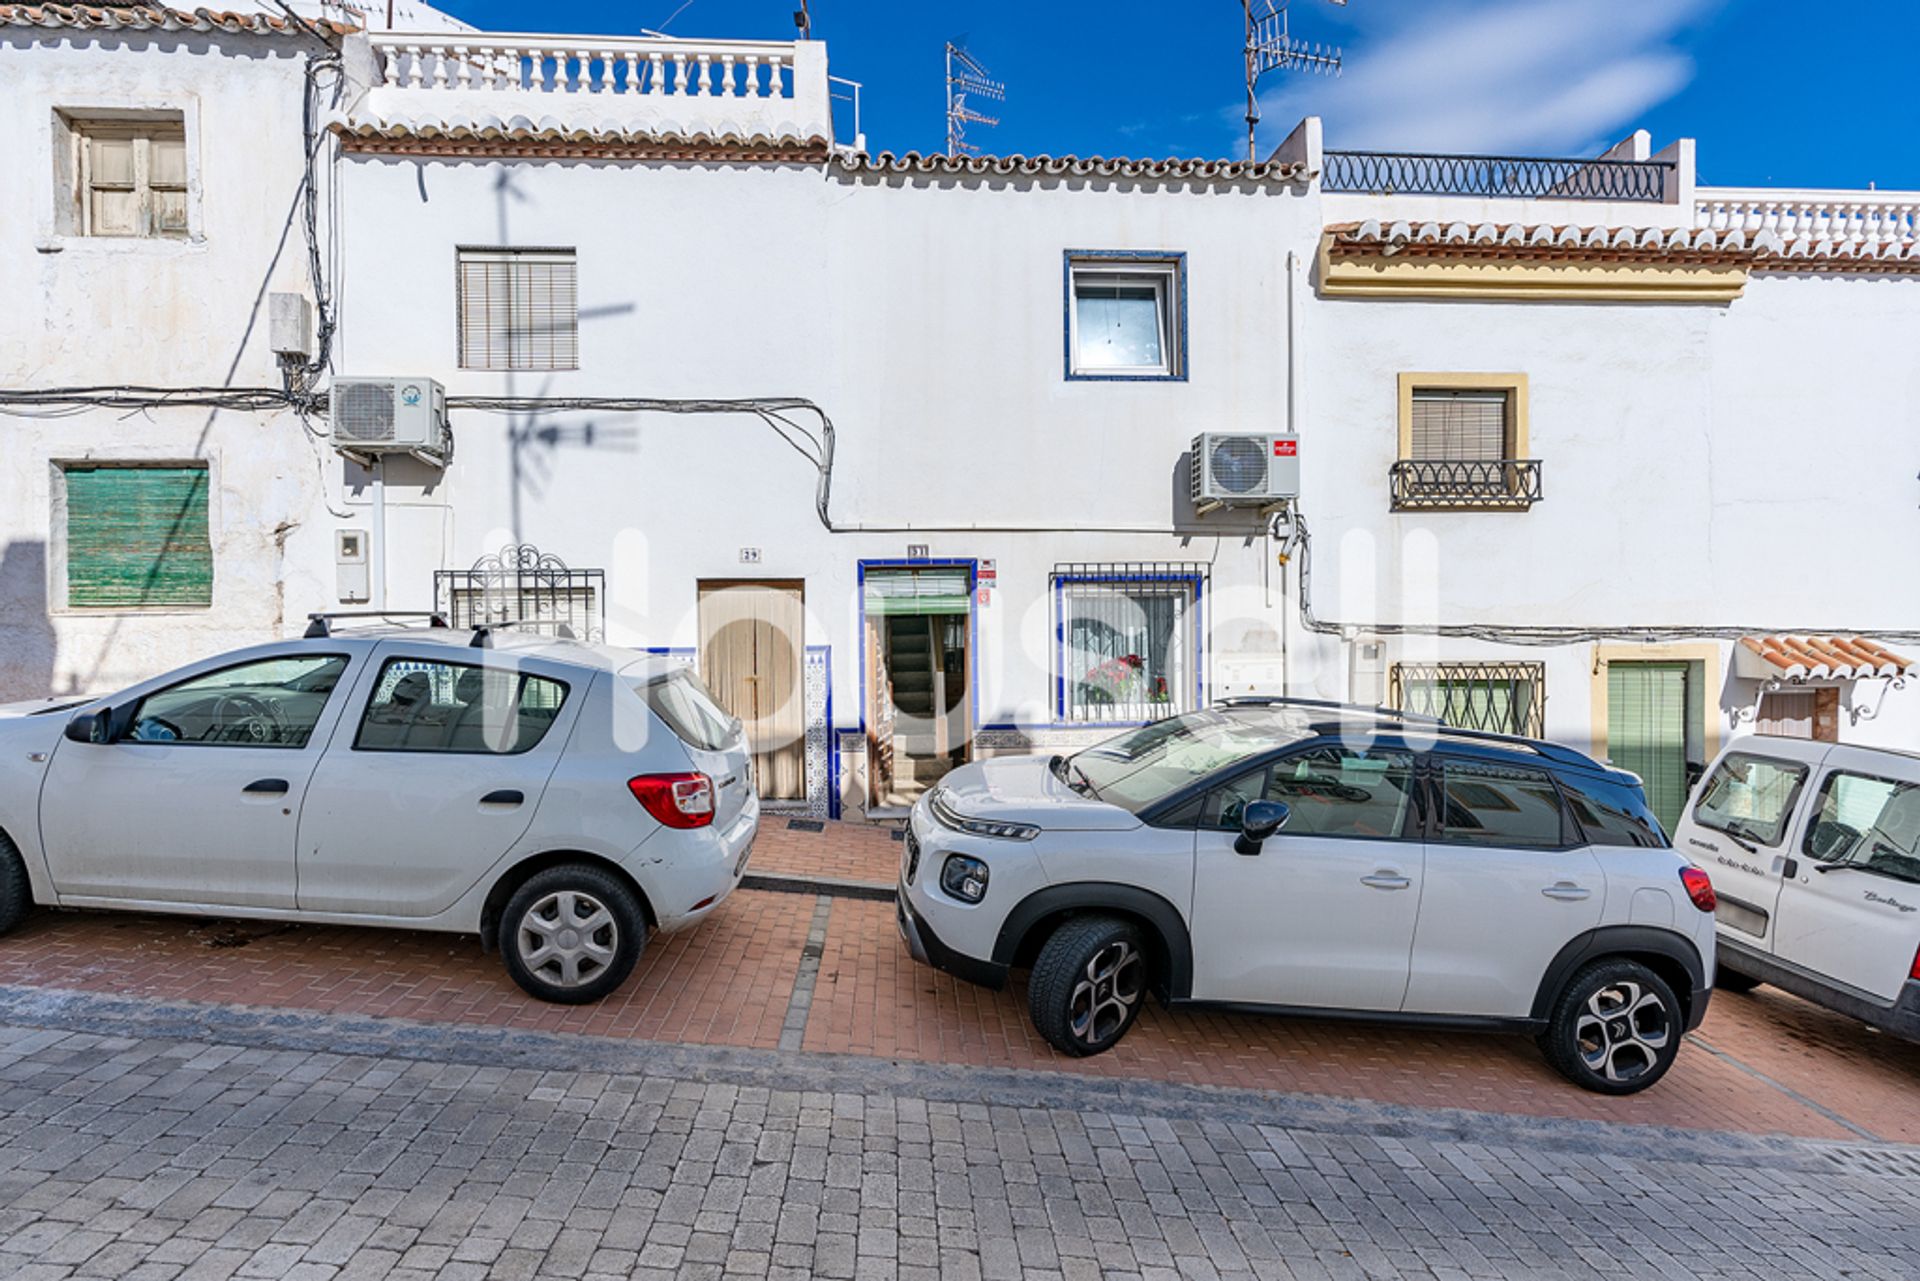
(89, 727)
(1258, 821)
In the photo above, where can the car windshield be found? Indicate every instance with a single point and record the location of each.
(1143, 767)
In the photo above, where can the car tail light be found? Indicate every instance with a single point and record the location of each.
(1699, 888)
(1914, 973)
(676, 800)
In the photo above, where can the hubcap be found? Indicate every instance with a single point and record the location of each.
(568, 938)
(1623, 1030)
(1108, 990)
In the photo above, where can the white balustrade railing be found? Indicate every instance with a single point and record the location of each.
(1860, 216)
(616, 66)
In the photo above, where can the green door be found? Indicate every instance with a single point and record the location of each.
(1647, 730)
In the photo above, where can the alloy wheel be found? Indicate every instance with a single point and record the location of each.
(1623, 1030)
(567, 938)
(1109, 988)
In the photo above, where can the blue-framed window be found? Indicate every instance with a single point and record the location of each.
(1126, 315)
(1129, 642)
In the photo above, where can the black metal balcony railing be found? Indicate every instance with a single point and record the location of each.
(1388, 173)
(1480, 484)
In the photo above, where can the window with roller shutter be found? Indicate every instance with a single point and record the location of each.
(137, 536)
(131, 177)
(519, 309)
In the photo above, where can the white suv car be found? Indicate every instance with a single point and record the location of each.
(1816, 847)
(560, 800)
(1292, 856)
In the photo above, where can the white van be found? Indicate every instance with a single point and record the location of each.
(1814, 850)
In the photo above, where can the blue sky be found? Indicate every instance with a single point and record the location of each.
(1777, 93)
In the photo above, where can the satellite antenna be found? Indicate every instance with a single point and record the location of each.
(1271, 47)
(965, 76)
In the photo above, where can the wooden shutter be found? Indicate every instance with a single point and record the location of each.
(133, 178)
(137, 537)
(1459, 425)
(519, 309)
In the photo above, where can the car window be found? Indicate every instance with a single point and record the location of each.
(1328, 791)
(1750, 797)
(1611, 814)
(420, 705)
(682, 701)
(1867, 822)
(271, 702)
(1505, 805)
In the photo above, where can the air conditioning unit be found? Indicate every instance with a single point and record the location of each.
(1235, 469)
(373, 416)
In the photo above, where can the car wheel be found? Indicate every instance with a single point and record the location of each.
(16, 895)
(571, 934)
(1088, 984)
(1734, 981)
(1615, 1028)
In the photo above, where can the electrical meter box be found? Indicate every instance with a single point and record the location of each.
(353, 566)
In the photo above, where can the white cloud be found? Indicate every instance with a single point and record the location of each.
(1511, 76)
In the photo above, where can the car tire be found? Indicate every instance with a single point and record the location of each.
(1615, 1028)
(16, 893)
(571, 934)
(1734, 981)
(1088, 984)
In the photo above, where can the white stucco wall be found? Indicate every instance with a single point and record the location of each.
(99, 311)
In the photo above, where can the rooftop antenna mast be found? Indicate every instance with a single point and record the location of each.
(1271, 47)
(965, 76)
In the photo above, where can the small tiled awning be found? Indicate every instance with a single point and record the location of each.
(1816, 658)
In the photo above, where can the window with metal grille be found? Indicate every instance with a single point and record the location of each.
(1499, 698)
(1129, 641)
(129, 176)
(1461, 425)
(519, 309)
(136, 536)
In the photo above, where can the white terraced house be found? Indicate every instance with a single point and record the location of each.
(923, 459)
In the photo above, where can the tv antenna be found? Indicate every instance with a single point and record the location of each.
(965, 76)
(1271, 47)
(803, 21)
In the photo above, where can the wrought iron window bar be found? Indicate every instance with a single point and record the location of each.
(1448, 690)
(1389, 173)
(525, 588)
(1481, 484)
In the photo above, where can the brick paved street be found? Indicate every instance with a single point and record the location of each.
(249, 1151)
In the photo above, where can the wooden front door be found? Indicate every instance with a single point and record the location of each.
(752, 647)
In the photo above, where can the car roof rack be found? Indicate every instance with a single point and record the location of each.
(320, 626)
(1539, 747)
(1280, 700)
(483, 632)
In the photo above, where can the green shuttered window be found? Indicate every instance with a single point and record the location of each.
(137, 537)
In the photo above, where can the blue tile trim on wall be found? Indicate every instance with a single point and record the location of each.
(1178, 257)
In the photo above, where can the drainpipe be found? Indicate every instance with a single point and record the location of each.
(377, 544)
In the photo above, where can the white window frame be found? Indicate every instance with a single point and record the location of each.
(517, 339)
(1166, 274)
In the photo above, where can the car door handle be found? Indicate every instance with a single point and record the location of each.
(505, 796)
(266, 787)
(1567, 892)
(1387, 881)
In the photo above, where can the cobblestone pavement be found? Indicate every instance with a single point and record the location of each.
(316, 1146)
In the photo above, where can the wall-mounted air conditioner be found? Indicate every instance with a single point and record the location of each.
(1237, 469)
(375, 416)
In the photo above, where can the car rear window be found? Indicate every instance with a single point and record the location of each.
(1750, 797)
(679, 699)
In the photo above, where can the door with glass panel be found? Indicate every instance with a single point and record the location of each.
(751, 658)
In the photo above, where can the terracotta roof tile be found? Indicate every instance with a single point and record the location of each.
(1548, 241)
(140, 17)
(915, 163)
(1802, 658)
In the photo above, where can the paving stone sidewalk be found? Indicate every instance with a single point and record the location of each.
(262, 1156)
